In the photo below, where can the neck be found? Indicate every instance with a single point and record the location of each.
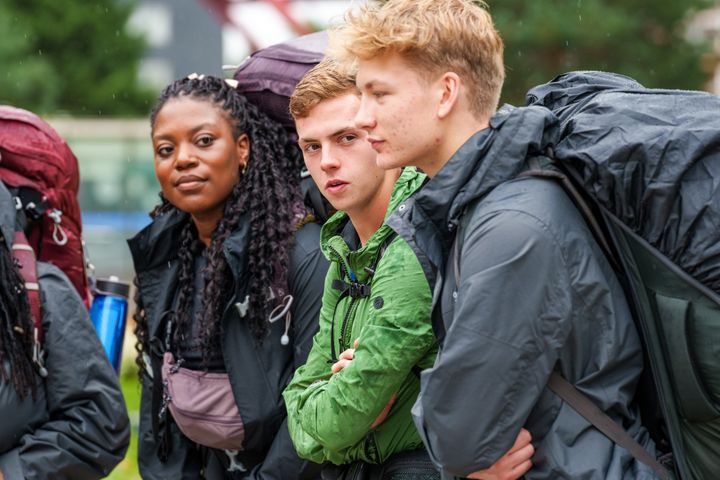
(206, 226)
(456, 133)
(368, 219)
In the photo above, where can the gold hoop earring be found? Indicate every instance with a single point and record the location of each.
(244, 168)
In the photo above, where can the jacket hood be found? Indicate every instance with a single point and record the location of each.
(567, 93)
(488, 158)
(7, 216)
(332, 242)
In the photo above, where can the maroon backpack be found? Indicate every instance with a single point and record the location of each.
(41, 170)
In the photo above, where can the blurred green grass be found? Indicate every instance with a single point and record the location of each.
(128, 468)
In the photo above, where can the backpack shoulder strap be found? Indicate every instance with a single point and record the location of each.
(550, 171)
(356, 289)
(460, 240)
(438, 324)
(600, 420)
(24, 257)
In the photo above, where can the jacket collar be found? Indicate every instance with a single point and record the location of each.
(488, 158)
(334, 233)
(158, 243)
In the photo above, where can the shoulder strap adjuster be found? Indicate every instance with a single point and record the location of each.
(351, 289)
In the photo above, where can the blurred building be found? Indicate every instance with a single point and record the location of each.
(183, 37)
(117, 186)
(186, 36)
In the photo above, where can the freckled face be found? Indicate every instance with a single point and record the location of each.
(197, 160)
(398, 109)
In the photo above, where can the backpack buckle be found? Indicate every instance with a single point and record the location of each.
(358, 290)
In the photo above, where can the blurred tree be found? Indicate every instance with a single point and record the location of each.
(70, 56)
(643, 39)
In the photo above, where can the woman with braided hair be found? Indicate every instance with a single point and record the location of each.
(230, 279)
(63, 415)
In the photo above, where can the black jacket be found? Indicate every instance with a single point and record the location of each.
(258, 373)
(77, 428)
(535, 294)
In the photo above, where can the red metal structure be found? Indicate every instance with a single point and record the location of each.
(220, 8)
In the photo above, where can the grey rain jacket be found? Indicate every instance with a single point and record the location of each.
(535, 294)
(258, 373)
(77, 427)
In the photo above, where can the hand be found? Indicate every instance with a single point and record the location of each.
(383, 415)
(344, 360)
(514, 464)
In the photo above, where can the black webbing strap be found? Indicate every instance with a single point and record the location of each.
(355, 290)
(581, 204)
(600, 420)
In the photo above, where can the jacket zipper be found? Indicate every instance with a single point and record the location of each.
(344, 344)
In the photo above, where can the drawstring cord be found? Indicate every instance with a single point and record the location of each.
(284, 311)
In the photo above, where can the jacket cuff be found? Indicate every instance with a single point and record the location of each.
(10, 465)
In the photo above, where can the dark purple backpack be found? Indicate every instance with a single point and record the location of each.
(268, 77)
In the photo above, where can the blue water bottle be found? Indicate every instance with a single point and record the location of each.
(108, 313)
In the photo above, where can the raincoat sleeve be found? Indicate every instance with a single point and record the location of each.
(306, 274)
(511, 317)
(328, 415)
(88, 431)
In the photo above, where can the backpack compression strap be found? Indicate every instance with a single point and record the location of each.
(600, 420)
(24, 256)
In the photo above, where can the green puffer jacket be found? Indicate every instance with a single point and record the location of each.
(329, 416)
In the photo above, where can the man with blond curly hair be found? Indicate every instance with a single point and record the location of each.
(349, 405)
(521, 289)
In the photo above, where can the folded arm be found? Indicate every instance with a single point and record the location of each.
(330, 413)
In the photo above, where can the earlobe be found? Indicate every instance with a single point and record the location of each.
(449, 84)
(242, 146)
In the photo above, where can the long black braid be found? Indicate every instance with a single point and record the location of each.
(16, 327)
(142, 344)
(268, 193)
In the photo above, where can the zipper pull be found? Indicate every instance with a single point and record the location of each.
(166, 399)
(38, 354)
